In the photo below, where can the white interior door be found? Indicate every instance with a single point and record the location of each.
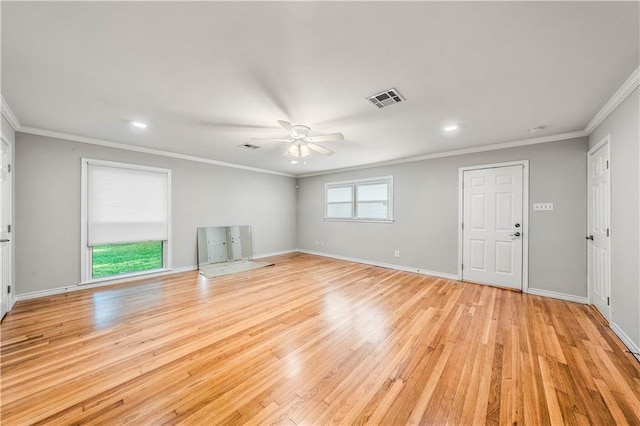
(598, 249)
(492, 226)
(216, 245)
(5, 220)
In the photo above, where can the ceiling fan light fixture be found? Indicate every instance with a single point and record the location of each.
(302, 131)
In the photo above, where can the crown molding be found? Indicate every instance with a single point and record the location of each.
(463, 151)
(10, 116)
(153, 151)
(623, 92)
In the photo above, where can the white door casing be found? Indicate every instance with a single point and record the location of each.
(493, 226)
(598, 224)
(5, 220)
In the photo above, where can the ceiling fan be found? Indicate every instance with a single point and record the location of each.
(300, 143)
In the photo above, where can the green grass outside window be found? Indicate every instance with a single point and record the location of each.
(116, 259)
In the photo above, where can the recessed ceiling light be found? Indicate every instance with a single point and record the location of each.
(139, 124)
(293, 161)
(451, 127)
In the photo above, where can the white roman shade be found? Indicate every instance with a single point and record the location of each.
(126, 203)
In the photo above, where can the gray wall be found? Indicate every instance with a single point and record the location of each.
(426, 215)
(48, 207)
(623, 127)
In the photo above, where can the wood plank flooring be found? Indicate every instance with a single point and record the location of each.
(312, 340)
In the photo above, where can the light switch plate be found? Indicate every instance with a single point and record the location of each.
(542, 207)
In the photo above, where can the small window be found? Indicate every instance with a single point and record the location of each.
(365, 199)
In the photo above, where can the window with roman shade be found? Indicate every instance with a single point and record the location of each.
(126, 217)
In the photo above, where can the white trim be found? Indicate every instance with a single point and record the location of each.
(77, 287)
(556, 295)
(492, 147)
(153, 151)
(623, 92)
(383, 265)
(525, 214)
(7, 113)
(85, 251)
(601, 143)
(274, 253)
(628, 342)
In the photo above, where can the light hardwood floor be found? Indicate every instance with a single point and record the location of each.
(312, 340)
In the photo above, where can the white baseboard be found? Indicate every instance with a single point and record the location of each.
(555, 295)
(274, 253)
(77, 287)
(626, 340)
(384, 265)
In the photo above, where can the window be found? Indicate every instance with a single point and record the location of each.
(125, 219)
(364, 199)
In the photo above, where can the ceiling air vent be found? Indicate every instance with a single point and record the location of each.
(249, 146)
(386, 98)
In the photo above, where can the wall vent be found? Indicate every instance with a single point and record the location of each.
(249, 146)
(386, 98)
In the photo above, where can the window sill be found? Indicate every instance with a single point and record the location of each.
(124, 277)
(332, 219)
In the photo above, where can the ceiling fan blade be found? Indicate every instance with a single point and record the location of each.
(327, 138)
(288, 127)
(319, 149)
(271, 139)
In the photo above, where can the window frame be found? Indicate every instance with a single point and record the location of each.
(353, 184)
(86, 253)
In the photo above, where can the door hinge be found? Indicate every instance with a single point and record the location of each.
(607, 164)
(8, 289)
(462, 267)
(8, 228)
(8, 168)
(463, 225)
(607, 232)
(608, 301)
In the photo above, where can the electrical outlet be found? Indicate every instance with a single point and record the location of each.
(541, 207)
(397, 253)
(322, 243)
(317, 242)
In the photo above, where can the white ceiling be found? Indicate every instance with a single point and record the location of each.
(208, 76)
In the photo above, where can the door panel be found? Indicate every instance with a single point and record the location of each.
(5, 220)
(598, 255)
(478, 258)
(492, 214)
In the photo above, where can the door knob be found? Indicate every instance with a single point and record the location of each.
(515, 234)
(590, 237)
